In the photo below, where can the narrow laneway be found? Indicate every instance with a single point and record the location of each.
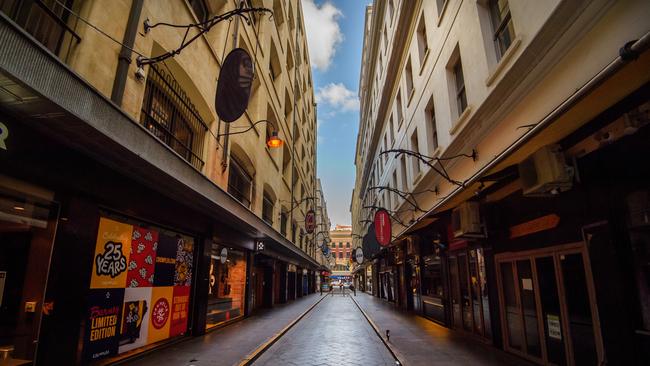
(335, 332)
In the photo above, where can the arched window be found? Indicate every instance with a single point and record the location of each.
(267, 207)
(347, 245)
(340, 245)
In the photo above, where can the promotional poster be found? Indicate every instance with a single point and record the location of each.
(103, 320)
(142, 258)
(111, 251)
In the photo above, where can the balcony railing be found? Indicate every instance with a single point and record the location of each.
(45, 20)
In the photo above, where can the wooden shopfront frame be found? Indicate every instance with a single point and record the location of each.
(555, 252)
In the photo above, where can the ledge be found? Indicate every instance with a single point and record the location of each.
(461, 121)
(503, 62)
(424, 60)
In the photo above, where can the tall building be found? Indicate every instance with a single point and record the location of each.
(341, 249)
(125, 196)
(516, 193)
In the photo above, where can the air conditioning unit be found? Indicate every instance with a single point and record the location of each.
(466, 221)
(545, 172)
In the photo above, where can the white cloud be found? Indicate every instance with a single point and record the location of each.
(323, 32)
(338, 96)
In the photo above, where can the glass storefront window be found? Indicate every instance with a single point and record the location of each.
(432, 280)
(27, 226)
(139, 288)
(227, 285)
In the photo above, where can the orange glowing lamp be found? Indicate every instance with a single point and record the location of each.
(274, 141)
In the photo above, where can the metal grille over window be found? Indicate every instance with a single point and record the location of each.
(168, 113)
(45, 20)
(239, 183)
(504, 31)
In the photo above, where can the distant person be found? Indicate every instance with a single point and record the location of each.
(354, 289)
(341, 288)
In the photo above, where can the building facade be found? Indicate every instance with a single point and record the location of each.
(132, 215)
(519, 207)
(341, 249)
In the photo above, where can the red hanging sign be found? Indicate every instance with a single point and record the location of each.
(383, 227)
(310, 221)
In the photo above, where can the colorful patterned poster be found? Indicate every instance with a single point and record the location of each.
(111, 250)
(183, 273)
(102, 330)
(180, 309)
(135, 318)
(161, 310)
(165, 260)
(142, 258)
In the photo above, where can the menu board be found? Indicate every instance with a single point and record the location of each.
(139, 288)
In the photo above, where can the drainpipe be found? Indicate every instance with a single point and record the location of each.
(628, 53)
(124, 59)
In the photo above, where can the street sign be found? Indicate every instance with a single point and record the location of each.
(259, 246)
(382, 227)
(310, 221)
(358, 255)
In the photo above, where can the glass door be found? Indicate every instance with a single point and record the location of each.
(548, 307)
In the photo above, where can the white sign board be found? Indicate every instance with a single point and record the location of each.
(4, 134)
(358, 255)
(224, 255)
(554, 327)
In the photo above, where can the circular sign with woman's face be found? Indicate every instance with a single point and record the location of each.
(224, 255)
(234, 85)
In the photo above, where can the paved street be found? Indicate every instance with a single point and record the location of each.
(418, 341)
(229, 345)
(334, 333)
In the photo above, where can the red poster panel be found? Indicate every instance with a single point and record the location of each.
(382, 227)
(310, 221)
(180, 309)
(142, 260)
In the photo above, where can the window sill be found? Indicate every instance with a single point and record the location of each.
(417, 178)
(442, 12)
(503, 62)
(423, 61)
(461, 121)
(411, 93)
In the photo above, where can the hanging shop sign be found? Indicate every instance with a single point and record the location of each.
(358, 255)
(139, 288)
(259, 246)
(234, 85)
(382, 227)
(310, 221)
(304, 271)
(4, 134)
(534, 226)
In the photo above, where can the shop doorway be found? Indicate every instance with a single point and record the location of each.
(470, 311)
(27, 228)
(548, 308)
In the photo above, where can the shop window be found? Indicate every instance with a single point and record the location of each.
(504, 31)
(226, 285)
(139, 288)
(240, 183)
(169, 115)
(27, 229)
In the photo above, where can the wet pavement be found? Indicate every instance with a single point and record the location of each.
(334, 333)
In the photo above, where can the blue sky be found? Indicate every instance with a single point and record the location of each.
(335, 35)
